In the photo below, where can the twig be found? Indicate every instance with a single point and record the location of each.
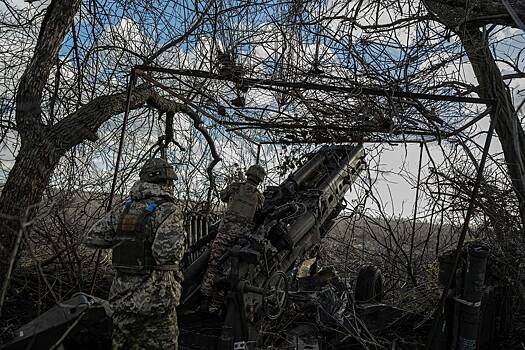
(438, 310)
(39, 267)
(12, 259)
(24, 224)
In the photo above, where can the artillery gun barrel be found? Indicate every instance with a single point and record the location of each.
(301, 227)
(308, 170)
(340, 180)
(331, 192)
(197, 266)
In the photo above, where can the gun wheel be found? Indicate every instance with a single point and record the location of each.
(369, 286)
(276, 296)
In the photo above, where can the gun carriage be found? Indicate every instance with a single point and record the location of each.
(268, 301)
(263, 266)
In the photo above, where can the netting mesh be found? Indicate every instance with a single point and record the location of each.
(314, 108)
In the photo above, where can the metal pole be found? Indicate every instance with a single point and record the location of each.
(438, 321)
(131, 85)
(411, 255)
(258, 154)
(356, 89)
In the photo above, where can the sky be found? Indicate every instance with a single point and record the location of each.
(395, 158)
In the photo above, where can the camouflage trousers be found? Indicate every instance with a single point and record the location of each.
(230, 228)
(138, 332)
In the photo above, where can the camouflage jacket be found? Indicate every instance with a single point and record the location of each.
(244, 200)
(158, 291)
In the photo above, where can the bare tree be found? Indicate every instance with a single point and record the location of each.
(280, 78)
(468, 20)
(44, 138)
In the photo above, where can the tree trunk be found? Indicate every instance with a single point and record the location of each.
(23, 189)
(36, 158)
(454, 14)
(508, 127)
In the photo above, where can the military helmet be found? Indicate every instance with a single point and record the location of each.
(257, 172)
(157, 170)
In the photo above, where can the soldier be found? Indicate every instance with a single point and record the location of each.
(147, 239)
(243, 199)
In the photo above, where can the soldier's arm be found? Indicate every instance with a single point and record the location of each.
(101, 233)
(168, 245)
(225, 194)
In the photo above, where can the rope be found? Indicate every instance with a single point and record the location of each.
(466, 302)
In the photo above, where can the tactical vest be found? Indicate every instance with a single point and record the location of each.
(134, 238)
(244, 201)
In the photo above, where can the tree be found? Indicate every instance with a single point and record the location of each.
(44, 142)
(467, 19)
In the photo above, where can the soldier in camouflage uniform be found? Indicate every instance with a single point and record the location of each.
(147, 240)
(243, 199)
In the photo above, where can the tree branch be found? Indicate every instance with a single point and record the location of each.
(57, 21)
(476, 12)
(83, 123)
(198, 22)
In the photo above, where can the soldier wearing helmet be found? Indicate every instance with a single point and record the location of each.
(243, 200)
(147, 240)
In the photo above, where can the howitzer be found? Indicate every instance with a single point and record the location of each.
(294, 218)
(300, 211)
(262, 286)
(270, 302)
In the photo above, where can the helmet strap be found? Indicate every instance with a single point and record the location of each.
(253, 179)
